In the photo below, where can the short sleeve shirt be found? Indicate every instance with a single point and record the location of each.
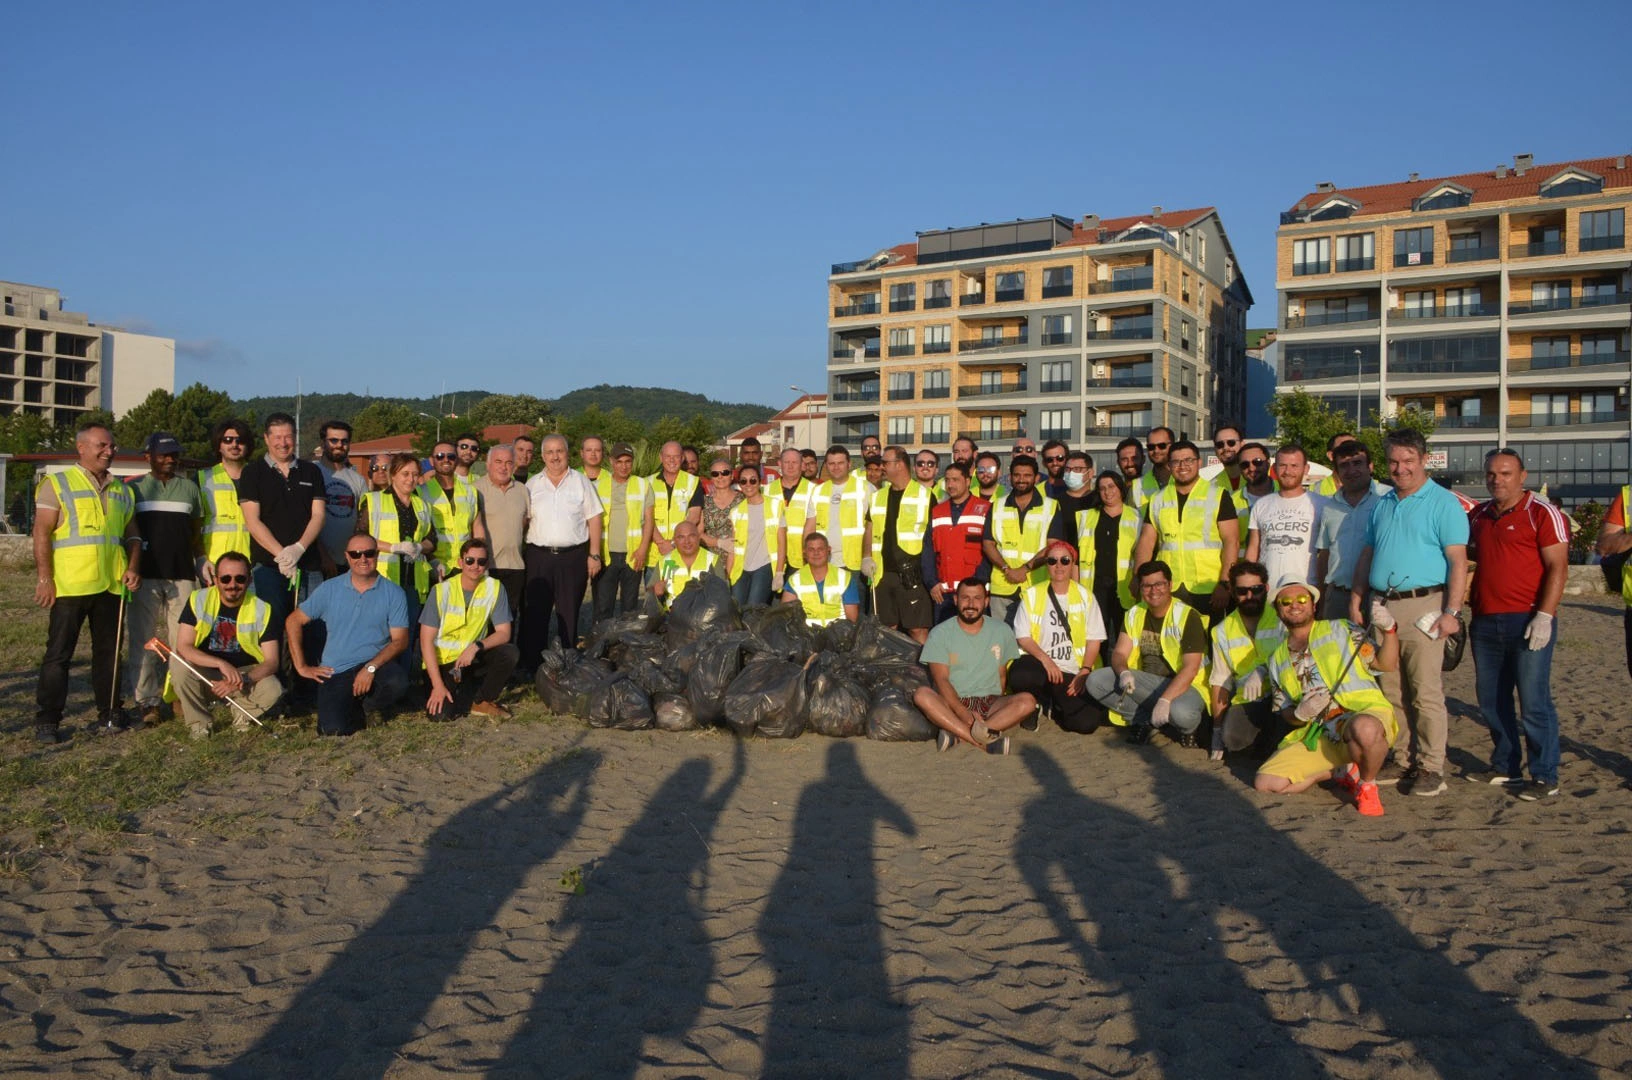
(1054, 636)
(285, 504)
(222, 642)
(359, 624)
(1342, 533)
(560, 513)
(430, 615)
(1408, 536)
(975, 662)
(1508, 547)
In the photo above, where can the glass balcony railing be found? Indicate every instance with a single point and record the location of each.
(866, 308)
(1603, 243)
(1535, 249)
(1330, 318)
(1365, 262)
(936, 438)
(984, 435)
(1487, 365)
(1550, 420)
(982, 344)
(1135, 283)
(1005, 296)
(903, 350)
(902, 394)
(972, 299)
(1465, 423)
(992, 389)
(1056, 386)
(932, 303)
(937, 391)
(1128, 333)
(937, 347)
(855, 352)
(1061, 433)
(1474, 254)
(1448, 311)
(1414, 258)
(1054, 292)
(1062, 337)
(1305, 269)
(1125, 378)
(1520, 364)
(1569, 303)
(903, 305)
(862, 393)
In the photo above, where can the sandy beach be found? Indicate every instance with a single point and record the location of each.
(559, 901)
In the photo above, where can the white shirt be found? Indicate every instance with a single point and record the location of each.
(561, 513)
(1055, 639)
(1286, 535)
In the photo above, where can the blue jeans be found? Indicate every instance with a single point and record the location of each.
(753, 588)
(1506, 666)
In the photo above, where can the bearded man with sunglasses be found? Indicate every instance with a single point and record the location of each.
(1242, 712)
(464, 638)
(226, 628)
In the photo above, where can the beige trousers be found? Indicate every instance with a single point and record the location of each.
(1417, 690)
(198, 700)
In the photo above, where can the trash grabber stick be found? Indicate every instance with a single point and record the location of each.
(118, 640)
(166, 653)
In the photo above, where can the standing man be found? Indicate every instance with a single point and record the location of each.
(284, 506)
(1024, 447)
(1227, 448)
(987, 477)
(455, 508)
(1242, 710)
(343, 488)
(468, 446)
(796, 508)
(968, 660)
(898, 521)
(1341, 532)
(676, 497)
(841, 505)
(875, 473)
(85, 553)
(1159, 445)
(827, 593)
(505, 503)
(870, 447)
(563, 549)
(752, 453)
(365, 618)
(963, 452)
(1416, 558)
(691, 461)
(1061, 630)
(1054, 454)
(1522, 546)
(1253, 458)
(810, 465)
(224, 528)
(524, 449)
(925, 465)
(227, 629)
(167, 517)
(1017, 530)
(1191, 525)
(464, 637)
(953, 550)
(1329, 484)
(1281, 529)
(626, 535)
(1158, 672)
(1130, 462)
(592, 459)
(1615, 538)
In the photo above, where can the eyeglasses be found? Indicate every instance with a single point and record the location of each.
(719, 472)
(1059, 560)
(233, 440)
(1157, 445)
(1295, 601)
(1053, 460)
(987, 470)
(1185, 460)
(1219, 444)
(1249, 590)
(377, 468)
(1153, 586)
(359, 555)
(473, 560)
(444, 456)
(232, 579)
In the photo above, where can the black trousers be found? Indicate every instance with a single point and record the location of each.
(483, 680)
(1079, 713)
(617, 587)
(556, 579)
(514, 583)
(68, 614)
(341, 712)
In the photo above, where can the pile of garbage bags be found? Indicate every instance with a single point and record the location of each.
(762, 671)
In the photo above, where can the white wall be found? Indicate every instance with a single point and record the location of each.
(133, 365)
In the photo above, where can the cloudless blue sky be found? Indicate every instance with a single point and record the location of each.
(536, 197)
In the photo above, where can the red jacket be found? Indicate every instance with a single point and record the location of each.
(956, 542)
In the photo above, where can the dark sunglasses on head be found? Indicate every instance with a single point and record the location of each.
(1249, 590)
(1157, 445)
(363, 553)
(232, 579)
(474, 560)
(445, 456)
(719, 472)
(1059, 560)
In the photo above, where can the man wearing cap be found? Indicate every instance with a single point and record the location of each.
(626, 535)
(168, 512)
(1158, 672)
(1060, 629)
(1325, 688)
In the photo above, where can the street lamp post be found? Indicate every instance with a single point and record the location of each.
(1359, 416)
(438, 420)
(808, 421)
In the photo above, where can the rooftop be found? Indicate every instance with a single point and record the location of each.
(1521, 180)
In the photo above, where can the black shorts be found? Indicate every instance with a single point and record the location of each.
(903, 601)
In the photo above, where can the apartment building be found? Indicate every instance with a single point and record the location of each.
(1499, 301)
(59, 365)
(1086, 331)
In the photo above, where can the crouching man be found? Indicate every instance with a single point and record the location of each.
(227, 629)
(968, 659)
(464, 638)
(1343, 725)
(1158, 672)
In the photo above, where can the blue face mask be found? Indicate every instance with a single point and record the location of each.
(1076, 481)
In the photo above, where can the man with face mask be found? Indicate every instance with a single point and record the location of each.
(1077, 485)
(168, 510)
(1241, 706)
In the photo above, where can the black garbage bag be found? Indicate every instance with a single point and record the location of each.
(783, 629)
(704, 608)
(894, 718)
(655, 677)
(672, 712)
(604, 634)
(836, 637)
(906, 678)
(835, 704)
(623, 705)
(568, 684)
(767, 697)
(876, 643)
(718, 660)
(631, 647)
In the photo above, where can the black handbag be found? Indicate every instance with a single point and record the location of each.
(1455, 646)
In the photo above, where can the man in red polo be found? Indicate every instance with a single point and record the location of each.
(952, 550)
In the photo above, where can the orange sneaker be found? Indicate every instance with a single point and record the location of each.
(1348, 778)
(1367, 801)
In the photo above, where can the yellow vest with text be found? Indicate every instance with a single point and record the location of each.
(1016, 543)
(1127, 537)
(1331, 646)
(254, 615)
(463, 625)
(380, 512)
(87, 545)
(453, 515)
(911, 519)
(634, 512)
(224, 528)
(795, 512)
(1190, 543)
(827, 604)
(1076, 604)
(1232, 639)
(741, 522)
(677, 575)
(853, 498)
(668, 508)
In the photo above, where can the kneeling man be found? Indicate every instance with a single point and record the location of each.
(464, 636)
(968, 659)
(226, 628)
(1158, 672)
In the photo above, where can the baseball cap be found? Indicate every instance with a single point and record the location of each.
(162, 442)
(622, 449)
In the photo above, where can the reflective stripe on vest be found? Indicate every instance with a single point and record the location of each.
(676, 575)
(911, 519)
(462, 626)
(1331, 646)
(1172, 640)
(1019, 544)
(1146, 489)
(634, 512)
(1190, 543)
(827, 604)
(853, 498)
(224, 528)
(1230, 637)
(1077, 600)
(741, 521)
(795, 512)
(453, 515)
(957, 540)
(380, 511)
(87, 544)
(254, 616)
(668, 508)
(1127, 537)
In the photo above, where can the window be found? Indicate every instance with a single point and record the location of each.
(1475, 353)
(1469, 408)
(937, 429)
(991, 335)
(1603, 230)
(1413, 247)
(1419, 305)
(1550, 296)
(1464, 302)
(900, 429)
(1442, 200)
(1572, 184)
(1186, 335)
(1599, 344)
(991, 382)
(1355, 252)
(1602, 290)
(1546, 240)
(1056, 281)
(1597, 406)
(1055, 424)
(1549, 410)
(938, 294)
(1057, 377)
(901, 342)
(1201, 250)
(938, 339)
(1011, 286)
(995, 428)
(1302, 363)
(938, 383)
(901, 386)
(1336, 309)
(903, 297)
(1550, 352)
(1184, 287)
(1128, 278)
(1311, 256)
(1056, 330)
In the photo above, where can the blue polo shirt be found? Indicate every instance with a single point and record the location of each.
(359, 624)
(1408, 537)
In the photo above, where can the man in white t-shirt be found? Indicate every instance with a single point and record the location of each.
(1281, 534)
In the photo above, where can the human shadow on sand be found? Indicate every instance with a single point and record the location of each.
(1155, 940)
(355, 1018)
(832, 1012)
(642, 962)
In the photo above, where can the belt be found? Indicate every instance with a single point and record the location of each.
(561, 550)
(1412, 594)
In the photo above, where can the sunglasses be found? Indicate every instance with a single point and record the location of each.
(1054, 460)
(927, 464)
(1295, 601)
(366, 553)
(1025, 449)
(472, 560)
(1059, 560)
(376, 468)
(987, 470)
(1157, 445)
(468, 446)
(232, 579)
(444, 456)
(1249, 590)
(748, 481)
(719, 472)
(1220, 444)
(233, 440)
(1255, 463)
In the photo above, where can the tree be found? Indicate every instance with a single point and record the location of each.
(612, 427)
(153, 414)
(381, 418)
(193, 414)
(508, 409)
(1310, 422)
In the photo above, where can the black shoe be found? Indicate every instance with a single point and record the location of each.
(1537, 790)
(1187, 739)
(999, 746)
(1139, 734)
(1424, 782)
(1393, 773)
(116, 720)
(943, 740)
(1030, 722)
(50, 734)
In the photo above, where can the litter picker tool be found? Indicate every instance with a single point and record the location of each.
(166, 653)
(118, 640)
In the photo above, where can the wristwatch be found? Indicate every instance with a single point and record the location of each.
(371, 669)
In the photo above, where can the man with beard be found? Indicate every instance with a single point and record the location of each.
(1281, 532)
(1257, 483)
(1130, 462)
(810, 465)
(968, 659)
(343, 488)
(1191, 525)
(226, 629)
(1159, 445)
(224, 528)
(1054, 453)
(1227, 448)
(1242, 710)
(467, 446)
(1018, 527)
(963, 452)
(987, 477)
(455, 508)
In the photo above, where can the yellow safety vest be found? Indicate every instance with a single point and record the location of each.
(454, 516)
(1076, 603)
(668, 508)
(1145, 490)
(380, 510)
(462, 626)
(635, 494)
(795, 512)
(677, 575)
(1237, 495)
(853, 498)
(224, 528)
(740, 523)
(1326, 485)
(1230, 637)
(254, 616)
(1015, 543)
(1189, 543)
(1331, 647)
(911, 519)
(1127, 537)
(88, 543)
(827, 604)
(1172, 640)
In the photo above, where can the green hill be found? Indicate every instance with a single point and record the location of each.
(320, 407)
(646, 405)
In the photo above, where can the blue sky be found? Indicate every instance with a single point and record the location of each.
(535, 198)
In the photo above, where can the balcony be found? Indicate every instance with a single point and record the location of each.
(1592, 243)
(852, 438)
(1481, 253)
(986, 344)
(844, 395)
(1520, 364)
(937, 347)
(1330, 318)
(1115, 431)
(903, 350)
(932, 303)
(902, 395)
(1061, 433)
(1123, 333)
(1056, 386)
(993, 389)
(1349, 266)
(1007, 296)
(1306, 269)
(1580, 419)
(1448, 311)
(1135, 283)
(936, 438)
(1055, 292)
(983, 436)
(844, 311)
(855, 352)
(931, 392)
(1140, 377)
(1444, 366)
(1062, 338)
(903, 305)
(1315, 370)
(972, 299)
(1569, 303)
(1465, 423)
(1536, 249)
(1413, 258)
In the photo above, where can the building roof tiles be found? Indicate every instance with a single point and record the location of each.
(1487, 186)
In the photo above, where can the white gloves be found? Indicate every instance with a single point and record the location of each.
(1160, 712)
(1381, 617)
(406, 548)
(776, 584)
(1252, 687)
(204, 569)
(869, 567)
(288, 560)
(1126, 681)
(1539, 631)
(1314, 704)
